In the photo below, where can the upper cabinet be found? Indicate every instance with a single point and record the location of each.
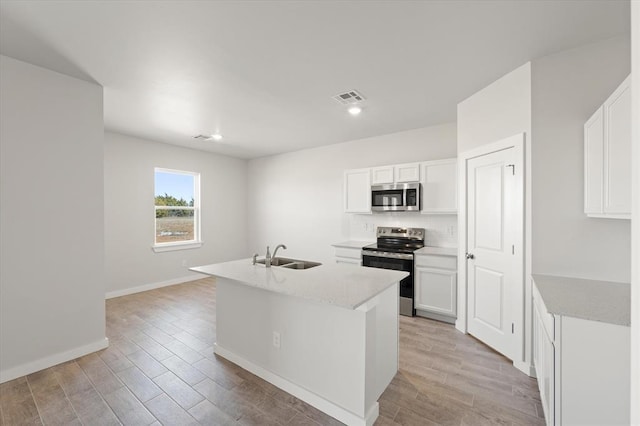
(438, 178)
(382, 175)
(357, 191)
(407, 173)
(440, 186)
(607, 157)
(401, 173)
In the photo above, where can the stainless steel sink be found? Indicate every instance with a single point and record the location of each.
(278, 261)
(301, 264)
(290, 263)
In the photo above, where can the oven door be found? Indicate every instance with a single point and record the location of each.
(375, 259)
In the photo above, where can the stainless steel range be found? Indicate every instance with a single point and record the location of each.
(394, 250)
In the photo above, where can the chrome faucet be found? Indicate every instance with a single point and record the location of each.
(277, 247)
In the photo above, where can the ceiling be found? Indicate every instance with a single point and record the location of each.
(263, 73)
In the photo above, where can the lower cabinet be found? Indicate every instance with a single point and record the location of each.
(435, 287)
(351, 256)
(544, 361)
(582, 368)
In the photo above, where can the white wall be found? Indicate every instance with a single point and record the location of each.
(129, 165)
(635, 221)
(567, 89)
(296, 198)
(498, 111)
(51, 216)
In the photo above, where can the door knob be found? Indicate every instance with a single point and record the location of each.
(470, 256)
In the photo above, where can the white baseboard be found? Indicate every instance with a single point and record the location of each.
(310, 398)
(525, 367)
(438, 317)
(50, 361)
(152, 286)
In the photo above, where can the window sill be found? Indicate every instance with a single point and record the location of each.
(159, 248)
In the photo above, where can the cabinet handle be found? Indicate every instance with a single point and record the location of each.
(470, 256)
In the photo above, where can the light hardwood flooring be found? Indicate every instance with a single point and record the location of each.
(160, 369)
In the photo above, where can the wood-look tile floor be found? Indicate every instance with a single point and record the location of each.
(160, 369)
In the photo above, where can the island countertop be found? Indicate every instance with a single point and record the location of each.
(593, 300)
(342, 285)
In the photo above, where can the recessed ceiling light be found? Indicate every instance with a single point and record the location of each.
(355, 110)
(216, 137)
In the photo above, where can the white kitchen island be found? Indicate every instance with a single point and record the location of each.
(327, 335)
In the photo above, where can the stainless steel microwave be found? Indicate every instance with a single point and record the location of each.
(398, 197)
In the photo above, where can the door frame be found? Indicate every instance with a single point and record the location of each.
(517, 142)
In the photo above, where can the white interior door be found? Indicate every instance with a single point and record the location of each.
(494, 259)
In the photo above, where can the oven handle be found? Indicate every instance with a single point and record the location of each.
(403, 256)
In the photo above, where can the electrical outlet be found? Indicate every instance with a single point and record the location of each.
(276, 340)
(450, 230)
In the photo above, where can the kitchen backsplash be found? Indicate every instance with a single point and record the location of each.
(441, 230)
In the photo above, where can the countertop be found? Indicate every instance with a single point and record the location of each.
(347, 286)
(602, 301)
(440, 251)
(353, 244)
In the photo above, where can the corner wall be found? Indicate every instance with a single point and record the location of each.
(297, 198)
(567, 89)
(635, 216)
(498, 111)
(131, 264)
(52, 218)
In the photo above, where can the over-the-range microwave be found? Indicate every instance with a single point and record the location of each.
(398, 197)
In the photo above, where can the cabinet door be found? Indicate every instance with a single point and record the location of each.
(593, 163)
(440, 186)
(407, 173)
(382, 175)
(544, 362)
(357, 191)
(617, 151)
(436, 290)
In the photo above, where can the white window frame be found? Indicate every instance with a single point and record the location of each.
(179, 245)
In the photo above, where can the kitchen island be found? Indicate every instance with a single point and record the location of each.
(327, 335)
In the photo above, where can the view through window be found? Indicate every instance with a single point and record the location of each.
(177, 206)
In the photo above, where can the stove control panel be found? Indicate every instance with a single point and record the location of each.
(409, 233)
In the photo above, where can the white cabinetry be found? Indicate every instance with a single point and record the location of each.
(440, 186)
(435, 287)
(544, 356)
(382, 175)
(357, 191)
(400, 173)
(406, 173)
(607, 157)
(349, 255)
(582, 368)
(439, 181)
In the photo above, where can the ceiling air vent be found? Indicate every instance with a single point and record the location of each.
(349, 98)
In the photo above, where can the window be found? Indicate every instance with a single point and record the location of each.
(177, 210)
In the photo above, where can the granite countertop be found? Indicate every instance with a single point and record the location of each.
(337, 284)
(602, 301)
(353, 244)
(440, 251)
